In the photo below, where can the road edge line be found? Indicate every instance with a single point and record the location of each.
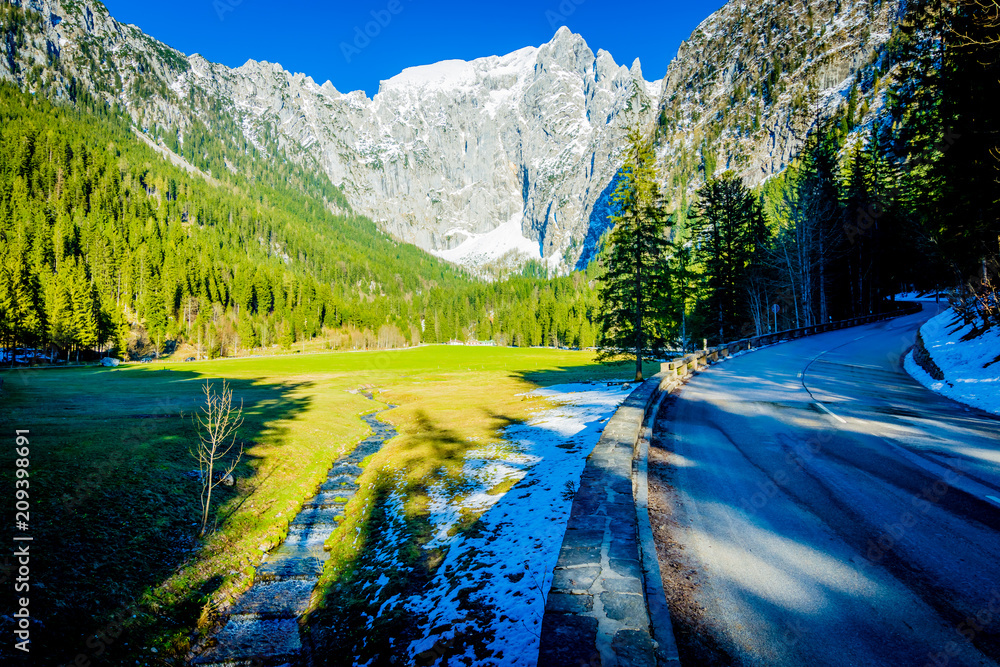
(829, 412)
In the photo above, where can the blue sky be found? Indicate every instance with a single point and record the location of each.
(322, 39)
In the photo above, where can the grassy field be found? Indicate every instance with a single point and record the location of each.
(117, 566)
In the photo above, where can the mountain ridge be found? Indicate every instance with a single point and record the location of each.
(446, 153)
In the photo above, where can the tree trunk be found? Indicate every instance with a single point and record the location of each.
(823, 317)
(791, 284)
(684, 326)
(208, 501)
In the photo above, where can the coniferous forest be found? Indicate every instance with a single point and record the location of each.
(107, 247)
(110, 249)
(863, 213)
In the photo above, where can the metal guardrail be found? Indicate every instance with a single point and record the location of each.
(681, 366)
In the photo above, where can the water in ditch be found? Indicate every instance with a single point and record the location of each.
(261, 628)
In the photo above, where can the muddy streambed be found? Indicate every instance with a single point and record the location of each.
(262, 625)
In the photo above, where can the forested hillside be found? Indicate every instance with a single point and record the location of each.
(870, 206)
(107, 245)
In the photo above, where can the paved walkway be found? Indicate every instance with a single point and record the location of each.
(596, 611)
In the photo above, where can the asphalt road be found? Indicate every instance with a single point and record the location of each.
(835, 512)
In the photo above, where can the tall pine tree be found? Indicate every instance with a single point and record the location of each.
(948, 131)
(635, 313)
(731, 235)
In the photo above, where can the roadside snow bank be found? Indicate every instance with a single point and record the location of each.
(971, 370)
(487, 598)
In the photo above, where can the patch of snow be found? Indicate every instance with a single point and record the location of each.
(969, 375)
(480, 249)
(442, 75)
(249, 133)
(482, 471)
(503, 570)
(497, 98)
(449, 75)
(178, 86)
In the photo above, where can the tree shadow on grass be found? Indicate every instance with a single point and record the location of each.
(390, 558)
(115, 511)
(363, 613)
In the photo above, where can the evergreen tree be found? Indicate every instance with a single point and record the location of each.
(246, 333)
(83, 310)
(948, 132)
(876, 245)
(635, 315)
(20, 300)
(6, 307)
(731, 235)
(684, 276)
(820, 235)
(59, 307)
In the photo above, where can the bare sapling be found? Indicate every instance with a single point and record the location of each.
(217, 426)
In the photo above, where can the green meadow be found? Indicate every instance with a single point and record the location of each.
(117, 567)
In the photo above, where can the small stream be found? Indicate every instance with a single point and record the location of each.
(262, 625)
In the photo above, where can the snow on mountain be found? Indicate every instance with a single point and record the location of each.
(446, 153)
(504, 243)
(445, 75)
(442, 155)
(457, 149)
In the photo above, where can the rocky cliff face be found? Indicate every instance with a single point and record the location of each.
(496, 160)
(518, 147)
(755, 77)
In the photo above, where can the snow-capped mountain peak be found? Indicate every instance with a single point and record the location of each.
(446, 154)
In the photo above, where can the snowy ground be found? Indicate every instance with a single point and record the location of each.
(487, 598)
(969, 374)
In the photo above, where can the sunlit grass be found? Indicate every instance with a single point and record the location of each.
(115, 513)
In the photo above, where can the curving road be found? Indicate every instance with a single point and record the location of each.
(833, 511)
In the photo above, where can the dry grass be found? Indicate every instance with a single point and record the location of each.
(116, 513)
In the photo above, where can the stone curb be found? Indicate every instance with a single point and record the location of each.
(597, 611)
(684, 366)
